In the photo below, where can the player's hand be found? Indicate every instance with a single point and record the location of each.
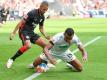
(48, 37)
(53, 61)
(11, 36)
(85, 57)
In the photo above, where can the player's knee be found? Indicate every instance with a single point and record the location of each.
(79, 69)
(41, 42)
(28, 46)
(37, 62)
(34, 64)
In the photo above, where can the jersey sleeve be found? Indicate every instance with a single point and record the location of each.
(55, 38)
(28, 16)
(77, 40)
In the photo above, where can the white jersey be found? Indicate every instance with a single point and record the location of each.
(60, 45)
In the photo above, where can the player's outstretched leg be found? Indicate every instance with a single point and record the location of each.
(24, 48)
(9, 63)
(75, 65)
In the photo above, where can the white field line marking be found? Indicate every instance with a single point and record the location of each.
(88, 43)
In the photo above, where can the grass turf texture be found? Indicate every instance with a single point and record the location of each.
(86, 29)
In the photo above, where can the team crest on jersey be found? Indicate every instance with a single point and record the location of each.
(40, 20)
(27, 37)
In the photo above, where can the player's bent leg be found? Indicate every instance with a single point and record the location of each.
(41, 59)
(24, 48)
(76, 64)
(39, 64)
(37, 61)
(40, 42)
(27, 44)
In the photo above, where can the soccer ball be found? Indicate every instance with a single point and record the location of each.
(41, 68)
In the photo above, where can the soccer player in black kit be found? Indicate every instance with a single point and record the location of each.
(4, 12)
(26, 31)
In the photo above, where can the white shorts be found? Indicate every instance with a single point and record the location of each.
(67, 56)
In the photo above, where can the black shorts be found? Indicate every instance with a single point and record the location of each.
(26, 35)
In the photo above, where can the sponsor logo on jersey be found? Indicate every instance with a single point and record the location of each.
(63, 46)
(34, 25)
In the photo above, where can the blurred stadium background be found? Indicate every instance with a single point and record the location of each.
(58, 8)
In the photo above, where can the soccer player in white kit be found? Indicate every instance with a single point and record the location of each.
(58, 48)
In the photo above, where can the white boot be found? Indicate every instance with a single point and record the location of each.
(49, 65)
(9, 63)
(70, 66)
(31, 66)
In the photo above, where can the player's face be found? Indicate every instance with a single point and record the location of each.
(43, 9)
(67, 38)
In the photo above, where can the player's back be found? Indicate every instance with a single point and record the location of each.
(34, 18)
(60, 45)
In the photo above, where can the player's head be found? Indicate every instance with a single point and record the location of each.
(68, 34)
(43, 7)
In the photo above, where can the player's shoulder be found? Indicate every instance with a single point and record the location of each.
(75, 37)
(56, 38)
(33, 11)
(59, 35)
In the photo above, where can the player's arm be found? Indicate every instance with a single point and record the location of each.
(46, 52)
(80, 47)
(41, 28)
(20, 24)
(83, 51)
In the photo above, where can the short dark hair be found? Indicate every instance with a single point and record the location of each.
(44, 3)
(69, 31)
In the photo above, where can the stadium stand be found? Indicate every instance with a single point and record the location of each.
(73, 8)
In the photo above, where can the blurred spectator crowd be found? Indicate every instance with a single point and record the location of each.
(17, 8)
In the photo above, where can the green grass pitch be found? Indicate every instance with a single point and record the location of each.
(87, 29)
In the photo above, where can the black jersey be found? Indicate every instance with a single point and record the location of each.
(34, 18)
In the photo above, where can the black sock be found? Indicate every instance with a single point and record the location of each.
(18, 53)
